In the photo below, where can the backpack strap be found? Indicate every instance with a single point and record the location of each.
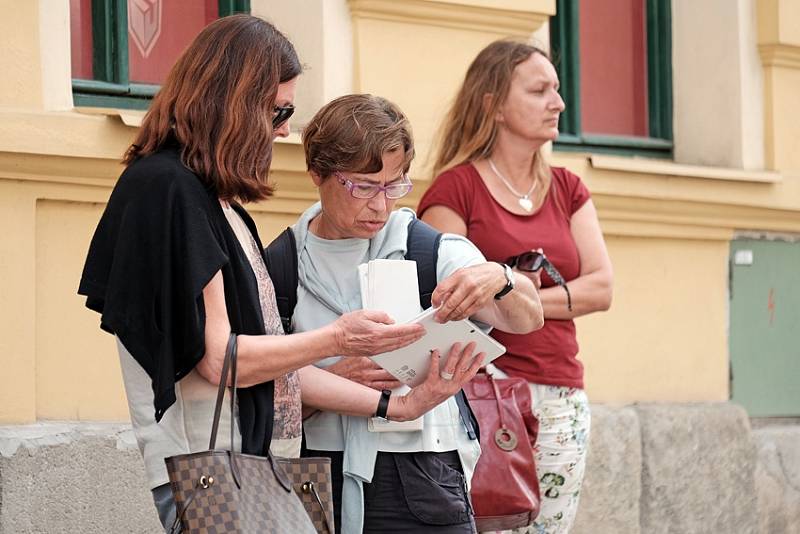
(281, 259)
(422, 246)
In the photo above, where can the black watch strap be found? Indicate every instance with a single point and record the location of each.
(383, 404)
(509, 274)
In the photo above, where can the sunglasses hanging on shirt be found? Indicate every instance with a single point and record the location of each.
(532, 261)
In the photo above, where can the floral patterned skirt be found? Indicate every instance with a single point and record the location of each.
(564, 423)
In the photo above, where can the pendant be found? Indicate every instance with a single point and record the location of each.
(526, 204)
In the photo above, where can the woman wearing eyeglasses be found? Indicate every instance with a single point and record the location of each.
(494, 186)
(358, 150)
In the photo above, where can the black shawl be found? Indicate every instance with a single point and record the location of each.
(161, 239)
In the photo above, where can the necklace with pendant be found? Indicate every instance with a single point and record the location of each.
(524, 201)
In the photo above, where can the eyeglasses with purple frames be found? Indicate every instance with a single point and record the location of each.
(366, 190)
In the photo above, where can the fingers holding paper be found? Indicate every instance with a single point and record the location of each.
(475, 292)
(442, 383)
(461, 363)
(367, 332)
(466, 291)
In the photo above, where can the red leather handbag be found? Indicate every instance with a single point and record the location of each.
(505, 489)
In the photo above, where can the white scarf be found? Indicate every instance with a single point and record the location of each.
(361, 446)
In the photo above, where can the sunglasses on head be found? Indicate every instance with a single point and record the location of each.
(281, 115)
(532, 261)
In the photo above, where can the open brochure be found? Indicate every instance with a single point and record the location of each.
(411, 363)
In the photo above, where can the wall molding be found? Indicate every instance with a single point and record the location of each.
(489, 17)
(780, 55)
(633, 215)
(670, 168)
(90, 180)
(629, 201)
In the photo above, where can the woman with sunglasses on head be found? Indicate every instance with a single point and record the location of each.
(494, 186)
(358, 150)
(176, 265)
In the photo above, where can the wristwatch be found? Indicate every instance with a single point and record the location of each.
(509, 281)
(383, 404)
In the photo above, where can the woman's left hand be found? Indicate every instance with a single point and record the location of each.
(467, 290)
(460, 367)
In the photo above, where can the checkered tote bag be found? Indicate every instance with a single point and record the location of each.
(228, 492)
(311, 479)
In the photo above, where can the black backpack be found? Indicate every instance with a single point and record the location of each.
(422, 246)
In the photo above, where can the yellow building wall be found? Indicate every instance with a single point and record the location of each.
(667, 226)
(664, 339)
(72, 382)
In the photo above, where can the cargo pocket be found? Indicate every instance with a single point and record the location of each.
(434, 491)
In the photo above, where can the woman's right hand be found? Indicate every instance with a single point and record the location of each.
(370, 332)
(438, 386)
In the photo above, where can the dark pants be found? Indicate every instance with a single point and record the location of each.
(409, 493)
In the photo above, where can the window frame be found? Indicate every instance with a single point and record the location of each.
(565, 50)
(111, 86)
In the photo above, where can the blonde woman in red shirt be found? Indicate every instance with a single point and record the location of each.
(494, 186)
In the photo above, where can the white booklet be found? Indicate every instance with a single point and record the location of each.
(411, 363)
(391, 286)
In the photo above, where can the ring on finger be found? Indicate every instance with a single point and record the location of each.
(445, 375)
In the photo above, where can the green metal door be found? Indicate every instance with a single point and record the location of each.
(765, 326)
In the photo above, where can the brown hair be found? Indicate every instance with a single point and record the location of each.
(217, 102)
(353, 132)
(469, 130)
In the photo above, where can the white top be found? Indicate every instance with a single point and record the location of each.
(186, 425)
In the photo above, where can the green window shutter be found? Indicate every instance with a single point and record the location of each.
(564, 49)
(659, 68)
(229, 7)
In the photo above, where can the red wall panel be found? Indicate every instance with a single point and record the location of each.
(80, 26)
(159, 30)
(613, 67)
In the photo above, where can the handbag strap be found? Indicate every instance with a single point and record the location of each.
(230, 355)
(229, 363)
(497, 399)
(310, 487)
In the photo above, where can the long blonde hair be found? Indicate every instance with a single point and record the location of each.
(469, 130)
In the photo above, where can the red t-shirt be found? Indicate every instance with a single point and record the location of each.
(548, 355)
